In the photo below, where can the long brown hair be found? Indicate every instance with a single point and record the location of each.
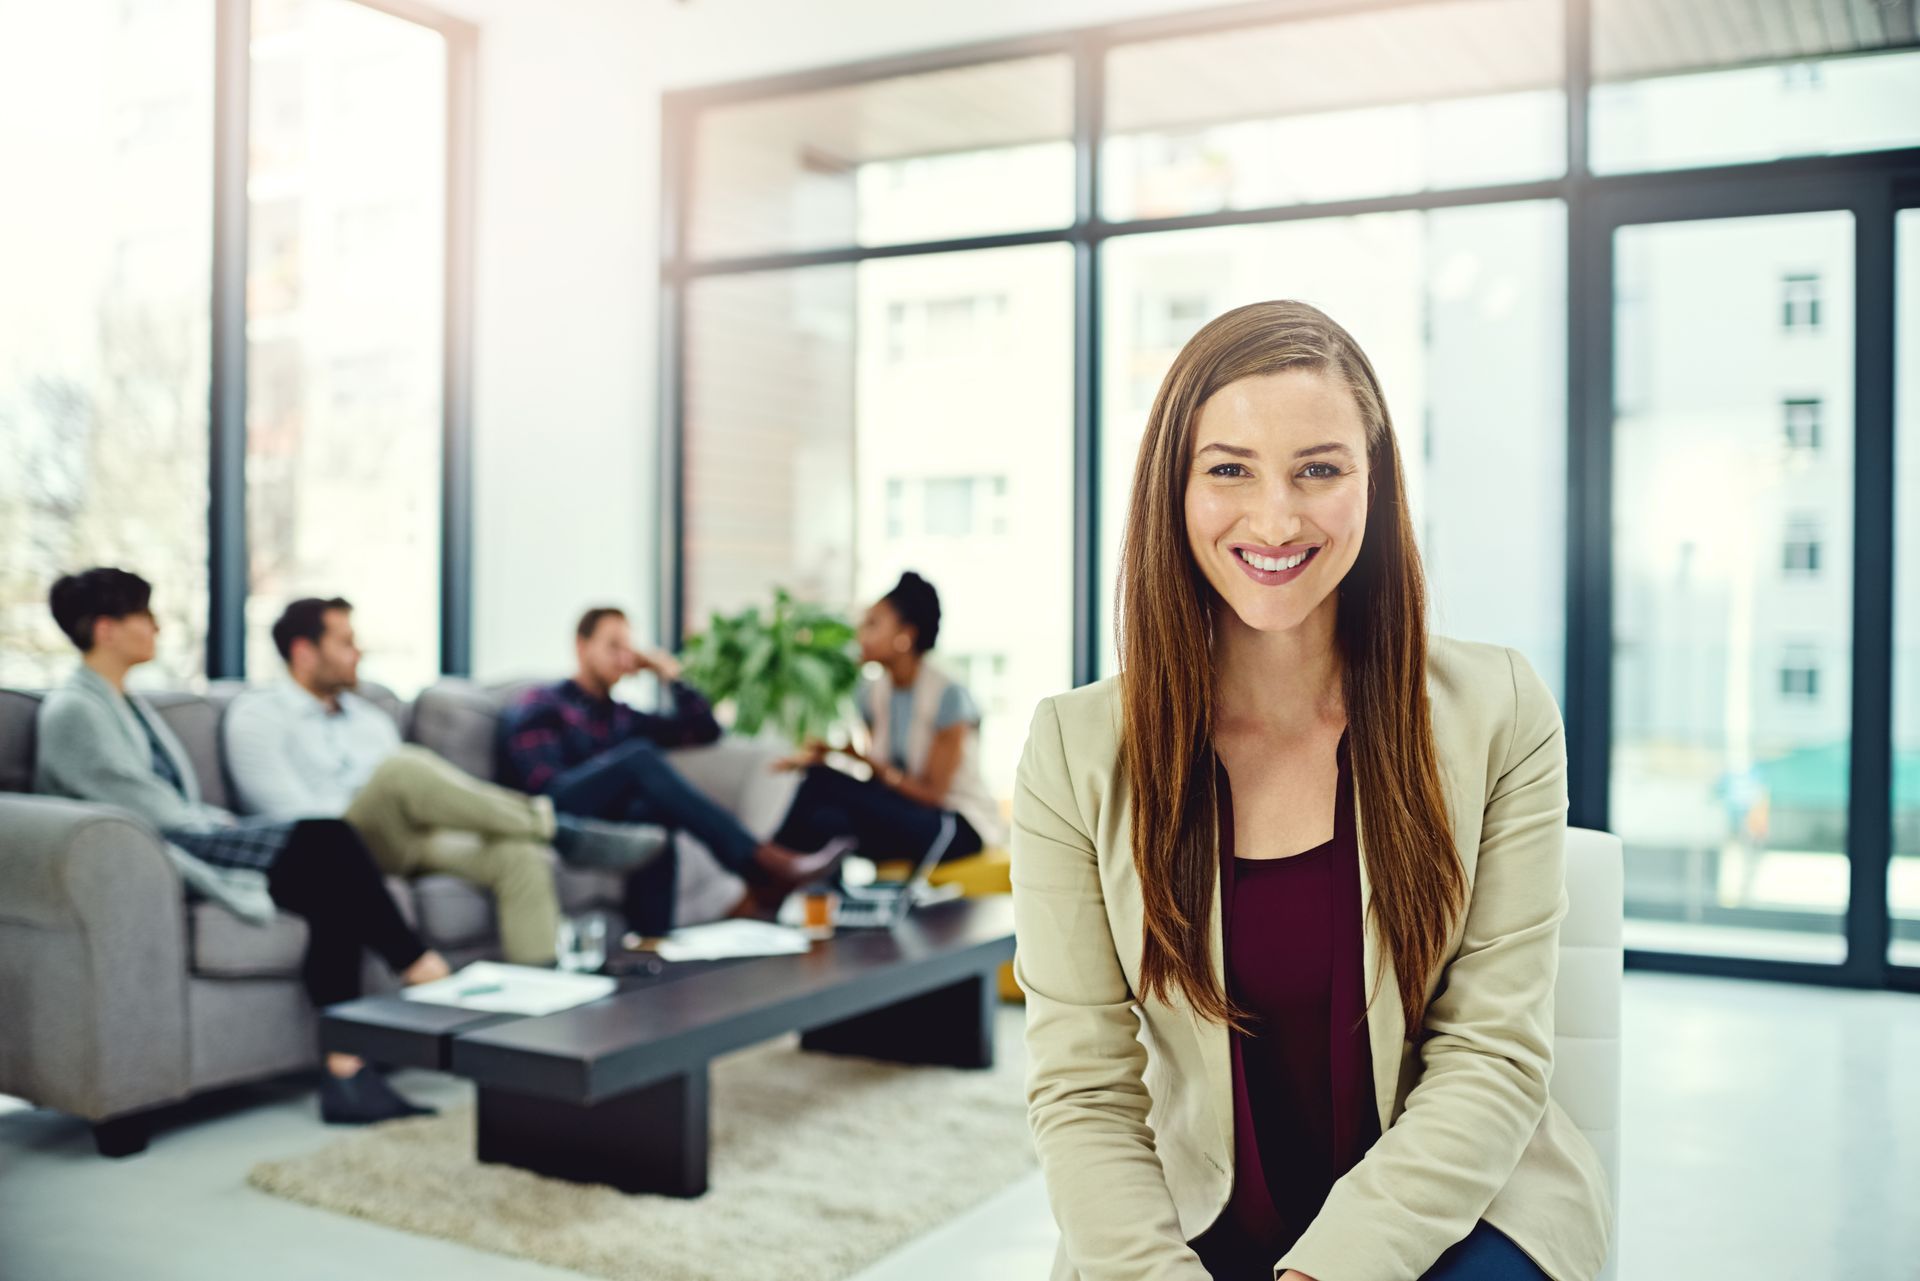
(1167, 676)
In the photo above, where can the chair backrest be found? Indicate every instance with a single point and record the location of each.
(1586, 1025)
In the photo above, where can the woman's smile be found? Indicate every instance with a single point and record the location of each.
(1274, 571)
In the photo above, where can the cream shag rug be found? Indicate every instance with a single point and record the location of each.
(821, 1165)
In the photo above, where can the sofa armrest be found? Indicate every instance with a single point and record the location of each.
(93, 965)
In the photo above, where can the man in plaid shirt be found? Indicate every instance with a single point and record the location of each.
(601, 758)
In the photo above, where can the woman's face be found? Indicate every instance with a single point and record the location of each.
(1279, 470)
(883, 636)
(131, 638)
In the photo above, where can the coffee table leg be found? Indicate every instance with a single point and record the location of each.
(652, 1140)
(950, 1026)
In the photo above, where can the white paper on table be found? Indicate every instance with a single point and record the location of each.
(723, 940)
(512, 989)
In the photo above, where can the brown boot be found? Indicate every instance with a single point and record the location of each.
(790, 868)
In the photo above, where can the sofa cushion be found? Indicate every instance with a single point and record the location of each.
(226, 947)
(18, 710)
(453, 913)
(588, 889)
(456, 719)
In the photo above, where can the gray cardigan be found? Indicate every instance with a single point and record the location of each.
(90, 746)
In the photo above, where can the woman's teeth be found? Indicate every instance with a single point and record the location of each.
(1271, 565)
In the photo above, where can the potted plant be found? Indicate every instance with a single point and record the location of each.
(793, 670)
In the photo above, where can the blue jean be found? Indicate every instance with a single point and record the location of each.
(634, 783)
(1484, 1254)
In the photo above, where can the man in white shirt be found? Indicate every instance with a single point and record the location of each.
(313, 748)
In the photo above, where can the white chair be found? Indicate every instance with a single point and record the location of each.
(1586, 1024)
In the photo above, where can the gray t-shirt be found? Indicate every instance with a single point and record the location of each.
(956, 706)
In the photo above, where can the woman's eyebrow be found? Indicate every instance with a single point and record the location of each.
(1331, 447)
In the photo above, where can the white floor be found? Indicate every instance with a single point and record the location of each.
(1771, 1132)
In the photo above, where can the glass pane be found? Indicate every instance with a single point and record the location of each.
(1721, 84)
(1733, 571)
(1427, 97)
(768, 454)
(1903, 884)
(345, 290)
(1462, 312)
(104, 324)
(847, 423)
(970, 151)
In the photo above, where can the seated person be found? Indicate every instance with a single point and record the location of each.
(600, 758)
(923, 749)
(311, 747)
(96, 742)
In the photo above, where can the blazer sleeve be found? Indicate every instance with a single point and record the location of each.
(1482, 1088)
(1086, 1100)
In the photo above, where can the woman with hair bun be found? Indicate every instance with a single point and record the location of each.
(926, 790)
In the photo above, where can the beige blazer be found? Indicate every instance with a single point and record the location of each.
(1131, 1101)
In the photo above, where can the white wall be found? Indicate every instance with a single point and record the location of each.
(565, 268)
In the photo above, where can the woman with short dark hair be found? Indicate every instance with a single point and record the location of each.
(97, 742)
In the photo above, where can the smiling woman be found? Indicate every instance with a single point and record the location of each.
(1383, 1034)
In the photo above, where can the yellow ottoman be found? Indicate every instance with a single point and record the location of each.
(977, 875)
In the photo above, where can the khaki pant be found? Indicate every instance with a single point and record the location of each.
(415, 794)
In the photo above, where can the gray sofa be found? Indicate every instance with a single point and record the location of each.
(118, 996)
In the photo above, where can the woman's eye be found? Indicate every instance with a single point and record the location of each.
(1224, 469)
(1330, 473)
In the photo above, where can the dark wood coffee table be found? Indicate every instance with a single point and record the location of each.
(615, 1091)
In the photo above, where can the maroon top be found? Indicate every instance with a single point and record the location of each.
(1303, 1105)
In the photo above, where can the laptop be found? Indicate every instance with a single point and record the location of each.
(884, 904)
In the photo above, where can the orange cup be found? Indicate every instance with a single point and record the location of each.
(820, 906)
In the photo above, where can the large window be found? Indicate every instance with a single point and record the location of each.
(150, 274)
(1731, 655)
(1426, 97)
(1621, 266)
(1903, 888)
(964, 152)
(104, 330)
(345, 286)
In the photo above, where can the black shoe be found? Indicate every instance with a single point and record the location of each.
(362, 1099)
(589, 842)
